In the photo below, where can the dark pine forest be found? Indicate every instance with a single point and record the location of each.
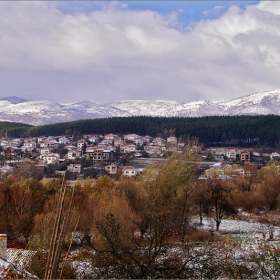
(212, 131)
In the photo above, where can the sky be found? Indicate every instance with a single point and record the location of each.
(71, 51)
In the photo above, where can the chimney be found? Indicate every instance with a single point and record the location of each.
(3, 246)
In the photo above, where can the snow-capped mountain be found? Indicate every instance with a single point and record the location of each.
(45, 112)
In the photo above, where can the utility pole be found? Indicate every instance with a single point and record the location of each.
(58, 234)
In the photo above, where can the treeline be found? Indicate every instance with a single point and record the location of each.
(13, 128)
(214, 130)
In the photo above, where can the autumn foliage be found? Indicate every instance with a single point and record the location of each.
(143, 227)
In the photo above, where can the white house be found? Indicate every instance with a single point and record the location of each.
(50, 158)
(158, 141)
(172, 140)
(110, 137)
(40, 139)
(49, 143)
(129, 171)
(139, 141)
(72, 154)
(147, 139)
(28, 146)
(16, 142)
(80, 144)
(127, 148)
(231, 154)
(111, 169)
(93, 139)
(63, 140)
(45, 151)
(154, 150)
(274, 155)
(105, 142)
(76, 168)
(131, 137)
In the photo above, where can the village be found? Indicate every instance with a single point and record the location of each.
(92, 156)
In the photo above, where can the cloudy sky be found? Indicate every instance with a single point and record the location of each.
(108, 51)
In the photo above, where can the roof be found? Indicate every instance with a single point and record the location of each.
(9, 270)
(51, 155)
(129, 168)
(108, 150)
(124, 144)
(19, 256)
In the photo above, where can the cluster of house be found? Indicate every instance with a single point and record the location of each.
(95, 148)
(224, 169)
(107, 149)
(221, 154)
(241, 155)
(221, 170)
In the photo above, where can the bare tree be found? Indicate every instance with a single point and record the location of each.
(220, 195)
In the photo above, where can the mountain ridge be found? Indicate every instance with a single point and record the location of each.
(13, 99)
(47, 112)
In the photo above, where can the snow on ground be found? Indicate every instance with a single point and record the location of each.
(249, 228)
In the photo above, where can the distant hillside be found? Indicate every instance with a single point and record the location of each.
(45, 112)
(13, 99)
(12, 129)
(220, 130)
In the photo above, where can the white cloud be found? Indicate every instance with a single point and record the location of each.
(114, 53)
(216, 11)
(272, 7)
(149, 43)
